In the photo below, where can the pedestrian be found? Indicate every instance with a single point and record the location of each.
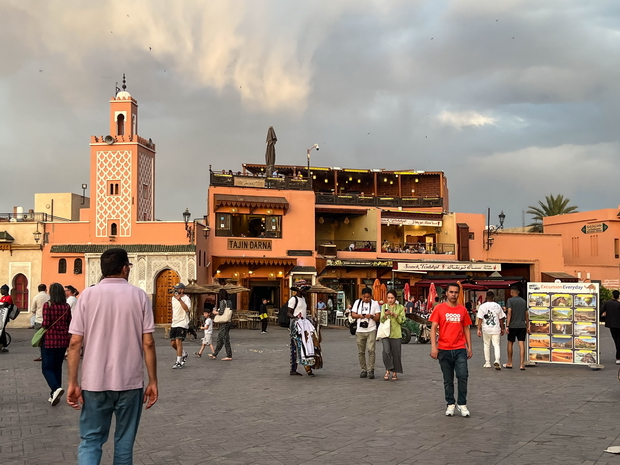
(264, 316)
(114, 322)
(207, 326)
(517, 326)
(392, 350)
(297, 310)
(37, 310)
(453, 348)
(56, 319)
(410, 304)
(611, 313)
(71, 293)
(223, 334)
(367, 312)
(491, 319)
(180, 323)
(5, 299)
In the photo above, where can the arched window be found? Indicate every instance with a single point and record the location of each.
(120, 125)
(111, 189)
(77, 266)
(116, 189)
(113, 229)
(62, 266)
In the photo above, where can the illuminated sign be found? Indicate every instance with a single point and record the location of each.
(248, 244)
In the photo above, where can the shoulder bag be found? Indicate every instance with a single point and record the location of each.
(37, 339)
(384, 329)
(223, 318)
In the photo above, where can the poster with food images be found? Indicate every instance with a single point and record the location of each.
(563, 323)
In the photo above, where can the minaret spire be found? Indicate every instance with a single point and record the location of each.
(124, 83)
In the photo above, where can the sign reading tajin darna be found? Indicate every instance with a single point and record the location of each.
(248, 244)
(594, 228)
(447, 266)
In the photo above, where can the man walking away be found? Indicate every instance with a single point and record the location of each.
(113, 321)
(517, 323)
(453, 348)
(491, 327)
(611, 312)
(37, 309)
(180, 323)
(367, 312)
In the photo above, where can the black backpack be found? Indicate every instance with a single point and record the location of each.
(283, 319)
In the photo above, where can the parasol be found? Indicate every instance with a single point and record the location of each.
(432, 294)
(234, 289)
(376, 290)
(383, 292)
(270, 153)
(461, 298)
(193, 290)
(407, 291)
(320, 289)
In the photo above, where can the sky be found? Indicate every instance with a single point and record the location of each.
(514, 99)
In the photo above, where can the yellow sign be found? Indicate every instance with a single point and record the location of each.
(249, 182)
(249, 244)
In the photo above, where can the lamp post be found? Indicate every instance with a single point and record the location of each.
(84, 187)
(37, 234)
(315, 146)
(188, 228)
(493, 229)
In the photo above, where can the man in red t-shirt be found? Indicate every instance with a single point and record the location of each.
(453, 348)
(5, 299)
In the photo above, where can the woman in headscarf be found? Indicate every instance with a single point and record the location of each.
(56, 319)
(391, 345)
(223, 334)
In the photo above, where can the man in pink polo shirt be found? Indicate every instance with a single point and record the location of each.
(113, 322)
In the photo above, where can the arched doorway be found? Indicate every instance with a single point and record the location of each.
(163, 303)
(20, 291)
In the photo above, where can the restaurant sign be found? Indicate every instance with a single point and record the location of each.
(249, 244)
(411, 222)
(594, 228)
(447, 266)
(248, 182)
(360, 263)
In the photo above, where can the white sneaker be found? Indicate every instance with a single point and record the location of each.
(617, 362)
(462, 410)
(177, 365)
(450, 410)
(56, 396)
(184, 357)
(486, 365)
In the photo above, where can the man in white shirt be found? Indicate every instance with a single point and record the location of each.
(71, 293)
(297, 309)
(491, 320)
(367, 312)
(37, 309)
(180, 323)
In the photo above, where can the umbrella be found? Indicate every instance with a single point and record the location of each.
(234, 289)
(270, 153)
(320, 289)
(193, 288)
(461, 298)
(432, 294)
(383, 290)
(376, 290)
(407, 291)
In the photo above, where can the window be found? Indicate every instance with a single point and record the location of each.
(113, 187)
(575, 246)
(120, 125)
(222, 226)
(472, 236)
(617, 248)
(77, 266)
(273, 226)
(62, 266)
(594, 245)
(113, 229)
(240, 225)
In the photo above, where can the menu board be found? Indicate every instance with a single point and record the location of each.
(563, 322)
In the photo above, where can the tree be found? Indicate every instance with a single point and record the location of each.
(553, 206)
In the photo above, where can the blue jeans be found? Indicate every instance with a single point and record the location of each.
(51, 366)
(451, 362)
(95, 421)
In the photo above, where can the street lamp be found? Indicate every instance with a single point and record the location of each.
(189, 229)
(493, 229)
(315, 146)
(84, 187)
(37, 234)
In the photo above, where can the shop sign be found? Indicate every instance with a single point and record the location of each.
(248, 182)
(248, 244)
(299, 253)
(447, 266)
(360, 263)
(411, 222)
(594, 228)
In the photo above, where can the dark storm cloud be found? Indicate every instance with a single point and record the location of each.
(513, 100)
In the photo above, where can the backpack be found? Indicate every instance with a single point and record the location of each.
(13, 311)
(283, 319)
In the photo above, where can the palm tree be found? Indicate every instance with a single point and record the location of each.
(557, 205)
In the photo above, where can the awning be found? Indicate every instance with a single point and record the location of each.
(505, 284)
(252, 263)
(340, 210)
(445, 282)
(225, 200)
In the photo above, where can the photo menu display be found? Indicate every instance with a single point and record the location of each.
(563, 322)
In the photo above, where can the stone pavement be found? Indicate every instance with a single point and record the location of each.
(250, 411)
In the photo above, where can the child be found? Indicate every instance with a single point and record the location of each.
(208, 327)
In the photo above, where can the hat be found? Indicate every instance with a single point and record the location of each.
(5, 287)
(180, 286)
(300, 285)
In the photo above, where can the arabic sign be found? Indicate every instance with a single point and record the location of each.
(594, 228)
(248, 182)
(411, 222)
(447, 266)
(379, 263)
(563, 323)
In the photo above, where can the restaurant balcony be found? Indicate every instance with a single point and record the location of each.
(418, 248)
(330, 248)
(230, 179)
(372, 201)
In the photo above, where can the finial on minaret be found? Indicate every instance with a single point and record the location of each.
(118, 89)
(124, 84)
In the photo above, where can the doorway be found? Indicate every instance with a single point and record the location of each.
(260, 290)
(163, 299)
(20, 291)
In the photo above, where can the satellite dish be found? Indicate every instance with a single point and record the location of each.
(108, 139)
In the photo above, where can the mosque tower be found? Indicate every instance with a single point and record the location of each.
(122, 174)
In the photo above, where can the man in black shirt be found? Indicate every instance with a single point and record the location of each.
(611, 312)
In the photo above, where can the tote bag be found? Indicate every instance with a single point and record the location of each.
(384, 329)
(225, 317)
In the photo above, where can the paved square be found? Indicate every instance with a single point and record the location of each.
(250, 411)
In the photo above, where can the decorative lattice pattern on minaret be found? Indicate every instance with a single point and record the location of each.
(113, 166)
(145, 186)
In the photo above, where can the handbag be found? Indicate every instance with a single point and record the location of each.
(384, 329)
(223, 318)
(37, 339)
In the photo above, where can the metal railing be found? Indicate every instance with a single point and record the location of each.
(418, 248)
(30, 217)
(356, 199)
(239, 180)
(347, 246)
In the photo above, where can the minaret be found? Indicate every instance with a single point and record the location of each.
(122, 172)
